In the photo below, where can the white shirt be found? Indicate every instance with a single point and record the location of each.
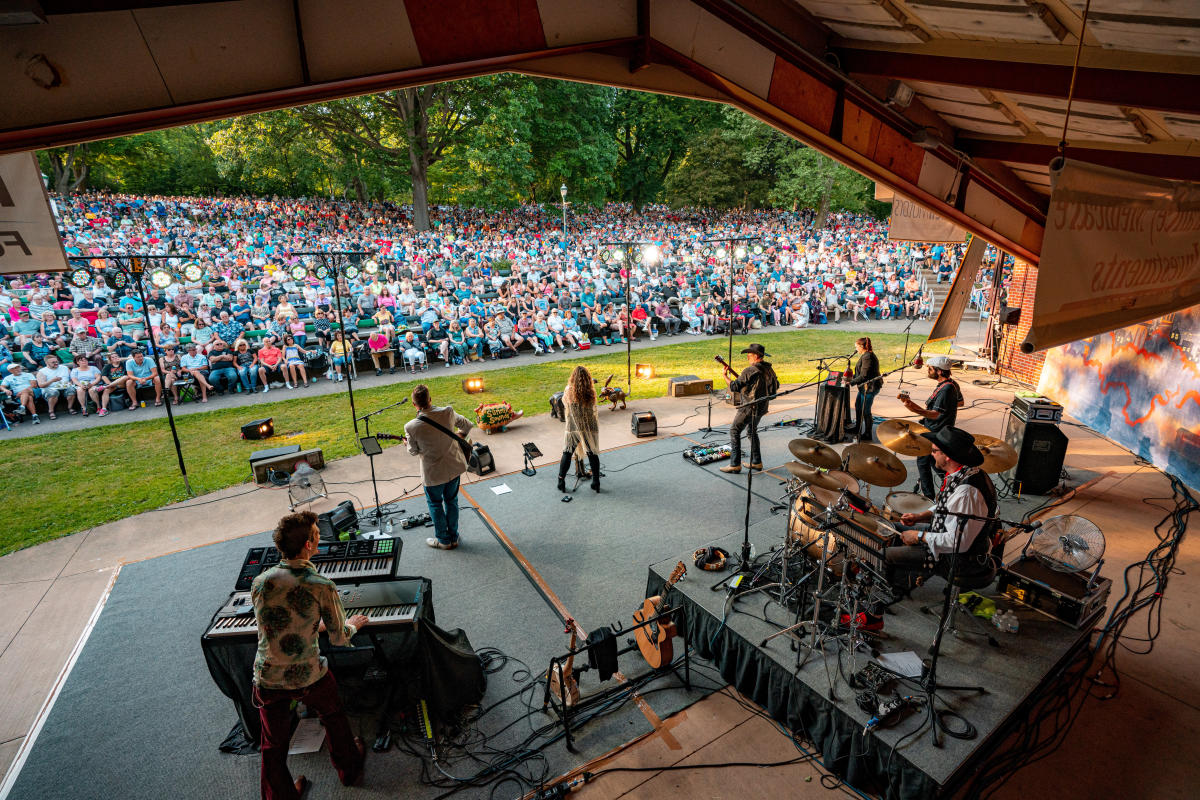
(965, 499)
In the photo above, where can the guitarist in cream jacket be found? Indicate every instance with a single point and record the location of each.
(756, 382)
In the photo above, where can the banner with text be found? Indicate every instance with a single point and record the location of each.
(1120, 248)
(951, 314)
(29, 240)
(912, 223)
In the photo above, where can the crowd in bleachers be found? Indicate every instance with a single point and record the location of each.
(255, 316)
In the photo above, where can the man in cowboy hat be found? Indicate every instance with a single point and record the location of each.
(756, 383)
(940, 411)
(965, 490)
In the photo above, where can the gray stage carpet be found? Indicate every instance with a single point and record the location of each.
(139, 717)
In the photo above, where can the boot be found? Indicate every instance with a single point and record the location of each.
(594, 465)
(563, 465)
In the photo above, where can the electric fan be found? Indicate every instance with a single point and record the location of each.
(1067, 543)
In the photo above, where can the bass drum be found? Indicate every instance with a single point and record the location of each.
(804, 529)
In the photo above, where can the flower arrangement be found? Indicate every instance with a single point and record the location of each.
(492, 417)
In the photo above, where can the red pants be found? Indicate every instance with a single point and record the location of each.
(275, 712)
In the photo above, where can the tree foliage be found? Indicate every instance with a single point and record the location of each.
(490, 142)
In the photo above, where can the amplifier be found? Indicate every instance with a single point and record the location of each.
(1066, 596)
(1041, 450)
(688, 385)
(1037, 409)
(286, 463)
(643, 423)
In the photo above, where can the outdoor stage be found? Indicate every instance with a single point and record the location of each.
(138, 716)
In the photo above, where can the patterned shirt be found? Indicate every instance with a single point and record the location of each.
(290, 601)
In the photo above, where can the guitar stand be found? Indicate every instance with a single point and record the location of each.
(558, 703)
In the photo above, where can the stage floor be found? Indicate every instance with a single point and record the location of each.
(137, 715)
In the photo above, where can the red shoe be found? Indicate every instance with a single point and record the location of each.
(863, 621)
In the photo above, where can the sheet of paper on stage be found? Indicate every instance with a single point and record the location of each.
(907, 663)
(501, 489)
(308, 738)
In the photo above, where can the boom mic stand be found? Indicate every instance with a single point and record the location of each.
(372, 452)
(904, 358)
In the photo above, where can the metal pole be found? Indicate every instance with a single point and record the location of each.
(349, 352)
(628, 322)
(137, 280)
(730, 300)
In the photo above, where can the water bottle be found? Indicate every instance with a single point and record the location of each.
(1012, 623)
(388, 527)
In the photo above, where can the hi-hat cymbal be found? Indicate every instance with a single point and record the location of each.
(810, 451)
(812, 476)
(998, 455)
(904, 437)
(873, 464)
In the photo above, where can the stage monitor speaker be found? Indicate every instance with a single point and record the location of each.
(688, 385)
(286, 463)
(487, 463)
(643, 424)
(1041, 450)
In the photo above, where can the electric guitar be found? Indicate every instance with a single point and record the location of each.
(738, 397)
(562, 682)
(654, 640)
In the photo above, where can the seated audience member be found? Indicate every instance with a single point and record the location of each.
(193, 362)
(270, 365)
(222, 374)
(19, 385)
(85, 377)
(142, 374)
(54, 381)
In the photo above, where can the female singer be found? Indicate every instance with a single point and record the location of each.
(579, 403)
(867, 379)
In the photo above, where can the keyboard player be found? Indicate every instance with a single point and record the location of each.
(292, 603)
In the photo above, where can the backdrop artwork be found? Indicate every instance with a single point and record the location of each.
(1139, 386)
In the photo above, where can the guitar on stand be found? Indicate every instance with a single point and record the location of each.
(654, 640)
(562, 683)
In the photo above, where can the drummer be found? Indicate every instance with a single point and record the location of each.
(930, 535)
(940, 411)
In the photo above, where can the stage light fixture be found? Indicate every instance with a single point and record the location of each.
(708, 252)
(721, 252)
(299, 272)
(115, 279)
(370, 266)
(259, 429)
(81, 278)
(473, 385)
(161, 279)
(617, 256)
(322, 272)
(740, 254)
(758, 249)
(651, 255)
(351, 271)
(644, 371)
(192, 271)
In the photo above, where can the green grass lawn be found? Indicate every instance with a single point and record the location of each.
(59, 483)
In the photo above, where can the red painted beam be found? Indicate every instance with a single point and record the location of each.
(1160, 165)
(1153, 90)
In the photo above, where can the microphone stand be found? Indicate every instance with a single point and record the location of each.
(904, 358)
(366, 420)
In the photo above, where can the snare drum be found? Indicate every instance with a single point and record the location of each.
(901, 503)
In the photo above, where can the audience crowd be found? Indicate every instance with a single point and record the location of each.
(251, 313)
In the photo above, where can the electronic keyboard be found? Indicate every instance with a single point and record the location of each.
(342, 562)
(389, 605)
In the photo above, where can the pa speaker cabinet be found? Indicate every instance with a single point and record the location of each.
(1041, 449)
(287, 463)
(688, 385)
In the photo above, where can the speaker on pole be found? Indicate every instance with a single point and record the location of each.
(1041, 449)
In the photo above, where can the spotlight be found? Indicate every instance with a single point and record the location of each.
(708, 251)
(161, 278)
(371, 266)
(652, 255)
(81, 278)
(758, 249)
(638, 255)
(351, 272)
(617, 256)
(192, 271)
(299, 271)
(644, 371)
(740, 253)
(115, 279)
(259, 429)
(531, 452)
(721, 252)
(322, 272)
(473, 385)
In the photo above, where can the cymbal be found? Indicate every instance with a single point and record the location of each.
(904, 437)
(873, 464)
(998, 455)
(810, 451)
(812, 476)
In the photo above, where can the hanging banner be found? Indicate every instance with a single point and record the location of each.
(29, 240)
(1120, 248)
(913, 223)
(950, 317)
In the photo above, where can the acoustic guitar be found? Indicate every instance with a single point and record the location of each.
(654, 640)
(562, 682)
(738, 397)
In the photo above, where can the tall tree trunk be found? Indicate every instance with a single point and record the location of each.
(360, 189)
(419, 172)
(70, 170)
(826, 193)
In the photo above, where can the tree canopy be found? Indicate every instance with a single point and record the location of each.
(495, 141)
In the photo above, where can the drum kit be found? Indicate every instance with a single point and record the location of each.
(837, 532)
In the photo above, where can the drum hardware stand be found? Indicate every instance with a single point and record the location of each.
(826, 525)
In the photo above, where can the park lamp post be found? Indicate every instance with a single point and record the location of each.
(627, 254)
(126, 270)
(563, 191)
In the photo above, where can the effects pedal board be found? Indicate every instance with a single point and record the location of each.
(708, 454)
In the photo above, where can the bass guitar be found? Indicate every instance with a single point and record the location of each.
(562, 683)
(654, 640)
(738, 398)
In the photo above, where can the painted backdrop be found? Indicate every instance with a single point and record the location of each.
(1140, 386)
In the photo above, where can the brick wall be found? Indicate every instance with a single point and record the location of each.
(1012, 363)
